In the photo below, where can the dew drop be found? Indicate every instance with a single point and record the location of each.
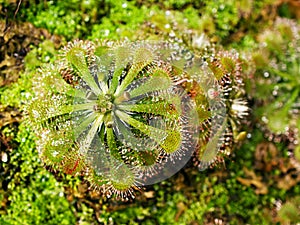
(265, 119)
(188, 56)
(36, 114)
(4, 157)
(172, 34)
(266, 74)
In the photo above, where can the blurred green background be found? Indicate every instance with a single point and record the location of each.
(258, 184)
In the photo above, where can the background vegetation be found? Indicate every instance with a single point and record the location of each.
(258, 184)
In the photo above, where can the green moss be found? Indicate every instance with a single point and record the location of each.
(71, 18)
(122, 21)
(34, 196)
(18, 93)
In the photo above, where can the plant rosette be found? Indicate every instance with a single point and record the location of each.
(127, 114)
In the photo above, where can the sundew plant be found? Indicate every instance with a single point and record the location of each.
(129, 114)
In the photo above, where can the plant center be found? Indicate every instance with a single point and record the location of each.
(104, 103)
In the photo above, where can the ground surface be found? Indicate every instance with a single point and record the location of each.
(257, 184)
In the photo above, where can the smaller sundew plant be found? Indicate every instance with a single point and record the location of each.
(129, 114)
(279, 75)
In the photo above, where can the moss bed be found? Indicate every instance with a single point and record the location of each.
(257, 184)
